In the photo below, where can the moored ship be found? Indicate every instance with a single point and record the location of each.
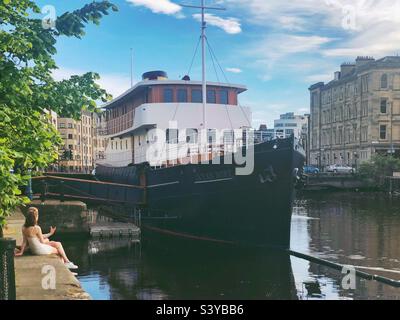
(207, 174)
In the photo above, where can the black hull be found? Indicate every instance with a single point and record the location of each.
(210, 202)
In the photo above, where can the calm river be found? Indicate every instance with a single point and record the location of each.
(362, 230)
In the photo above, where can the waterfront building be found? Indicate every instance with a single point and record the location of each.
(52, 116)
(357, 114)
(264, 134)
(290, 124)
(83, 144)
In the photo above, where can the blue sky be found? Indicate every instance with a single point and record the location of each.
(277, 48)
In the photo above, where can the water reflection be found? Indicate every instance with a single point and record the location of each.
(357, 229)
(169, 269)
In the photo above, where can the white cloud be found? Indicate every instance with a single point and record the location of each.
(234, 70)
(325, 77)
(115, 84)
(158, 6)
(277, 46)
(363, 27)
(291, 23)
(229, 25)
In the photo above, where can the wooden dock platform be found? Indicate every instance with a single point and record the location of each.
(114, 230)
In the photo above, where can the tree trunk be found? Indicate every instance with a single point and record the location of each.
(1, 232)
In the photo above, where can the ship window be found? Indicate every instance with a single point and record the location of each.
(229, 137)
(182, 95)
(212, 136)
(168, 95)
(197, 96)
(191, 136)
(223, 97)
(172, 136)
(211, 97)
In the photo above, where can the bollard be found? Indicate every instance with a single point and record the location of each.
(7, 271)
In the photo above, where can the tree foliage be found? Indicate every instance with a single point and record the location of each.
(28, 91)
(379, 167)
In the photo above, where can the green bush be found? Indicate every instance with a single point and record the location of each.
(378, 168)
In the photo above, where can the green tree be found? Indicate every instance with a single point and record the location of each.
(379, 167)
(28, 91)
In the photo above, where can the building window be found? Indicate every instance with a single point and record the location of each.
(168, 95)
(182, 95)
(382, 132)
(211, 96)
(384, 81)
(71, 147)
(70, 126)
(62, 125)
(364, 84)
(172, 136)
(224, 97)
(289, 132)
(197, 96)
(383, 105)
(70, 136)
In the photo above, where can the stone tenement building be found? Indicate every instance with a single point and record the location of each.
(83, 145)
(357, 114)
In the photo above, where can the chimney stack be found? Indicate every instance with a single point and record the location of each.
(346, 68)
(360, 61)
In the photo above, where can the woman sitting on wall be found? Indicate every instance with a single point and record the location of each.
(39, 243)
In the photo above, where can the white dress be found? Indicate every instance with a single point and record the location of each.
(38, 248)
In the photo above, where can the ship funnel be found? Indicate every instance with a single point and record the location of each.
(155, 75)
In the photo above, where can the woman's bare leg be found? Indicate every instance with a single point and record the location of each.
(60, 249)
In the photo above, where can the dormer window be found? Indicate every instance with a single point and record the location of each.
(384, 81)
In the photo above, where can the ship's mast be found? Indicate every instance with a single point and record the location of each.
(203, 54)
(203, 63)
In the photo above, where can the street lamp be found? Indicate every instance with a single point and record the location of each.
(356, 156)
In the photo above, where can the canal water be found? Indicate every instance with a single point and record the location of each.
(361, 230)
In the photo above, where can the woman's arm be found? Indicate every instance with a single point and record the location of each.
(23, 246)
(51, 233)
(42, 239)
